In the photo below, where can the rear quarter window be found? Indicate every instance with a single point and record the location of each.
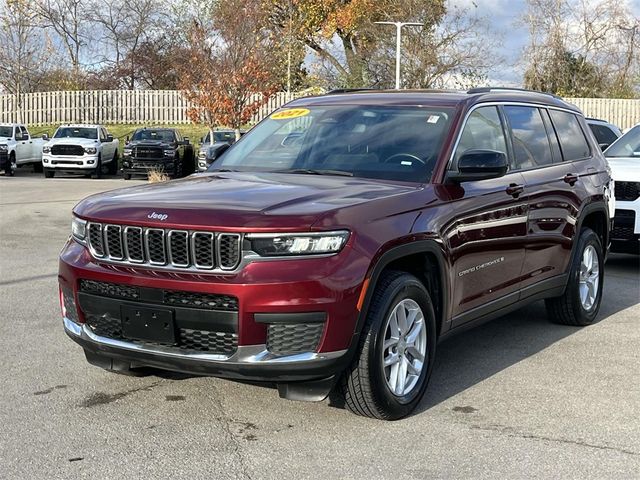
(573, 143)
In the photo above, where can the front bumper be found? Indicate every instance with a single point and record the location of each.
(70, 162)
(329, 285)
(142, 167)
(249, 362)
(625, 234)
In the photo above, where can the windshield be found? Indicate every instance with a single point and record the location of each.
(627, 145)
(166, 136)
(6, 132)
(77, 132)
(229, 137)
(392, 143)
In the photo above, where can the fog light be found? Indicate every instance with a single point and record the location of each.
(45, 160)
(202, 164)
(91, 162)
(68, 304)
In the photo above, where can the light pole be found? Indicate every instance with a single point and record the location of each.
(399, 26)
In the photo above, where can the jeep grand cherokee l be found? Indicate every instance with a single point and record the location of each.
(337, 242)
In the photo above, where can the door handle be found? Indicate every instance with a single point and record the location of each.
(515, 190)
(570, 178)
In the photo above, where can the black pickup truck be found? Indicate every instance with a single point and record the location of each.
(162, 149)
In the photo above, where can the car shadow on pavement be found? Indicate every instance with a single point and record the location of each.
(470, 357)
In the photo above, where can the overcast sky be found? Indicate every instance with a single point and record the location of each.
(504, 15)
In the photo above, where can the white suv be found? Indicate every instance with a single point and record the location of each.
(624, 158)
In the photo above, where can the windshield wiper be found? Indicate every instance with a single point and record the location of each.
(314, 171)
(224, 170)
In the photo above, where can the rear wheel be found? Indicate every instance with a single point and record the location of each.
(49, 173)
(390, 372)
(580, 302)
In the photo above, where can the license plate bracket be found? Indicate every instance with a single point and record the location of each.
(148, 323)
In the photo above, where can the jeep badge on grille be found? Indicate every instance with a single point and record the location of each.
(158, 216)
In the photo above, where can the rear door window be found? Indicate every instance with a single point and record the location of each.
(531, 146)
(573, 143)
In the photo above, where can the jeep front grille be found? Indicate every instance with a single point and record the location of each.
(179, 249)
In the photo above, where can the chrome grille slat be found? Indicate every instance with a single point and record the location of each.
(96, 240)
(202, 245)
(133, 244)
(228, 249)
(180, 250)
(113, 241)
(156, 250)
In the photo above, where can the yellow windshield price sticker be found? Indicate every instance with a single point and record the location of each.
(290, 113)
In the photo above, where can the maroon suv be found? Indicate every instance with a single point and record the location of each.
(336, 243)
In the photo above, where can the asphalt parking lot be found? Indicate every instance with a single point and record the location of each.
(516, 398)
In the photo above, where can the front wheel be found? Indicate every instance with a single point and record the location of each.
(49, 173)
(112, 168)
(97, 173)
(580, 302)
(177, 167)
(390, 372)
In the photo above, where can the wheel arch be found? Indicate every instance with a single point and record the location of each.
(425, 260)
(596, 217)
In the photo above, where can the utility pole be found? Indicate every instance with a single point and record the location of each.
(399, 26)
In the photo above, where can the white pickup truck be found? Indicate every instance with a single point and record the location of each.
(18, 148)
(87, 149)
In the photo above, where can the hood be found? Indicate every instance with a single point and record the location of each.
(5, 139)
(625, 169)
(247, 201)
(85, 142)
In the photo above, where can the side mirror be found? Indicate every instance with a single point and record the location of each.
(201, 139)
(603, 146)
(480, 165)
(126, 140)
(45, 136)
(109, 138)
(185, 141)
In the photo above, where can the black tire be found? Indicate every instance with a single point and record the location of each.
(49, 173)
(8, 171)
(112, 167)
(364, 385)
(97, 172)
(126, 176)
(37, 167)
(568, 308)
(177, 167)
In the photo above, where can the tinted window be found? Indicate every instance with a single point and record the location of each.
(483, 130)
(530, 142)
(603, 134)
(572, 140)
(385, 142)
(159, 135)
(627, 145)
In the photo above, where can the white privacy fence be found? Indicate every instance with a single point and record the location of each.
(170, 107)
(109, 107)
(623, 112)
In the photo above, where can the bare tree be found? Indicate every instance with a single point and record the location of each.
(23, 47)
(68, 19)
(127, 25)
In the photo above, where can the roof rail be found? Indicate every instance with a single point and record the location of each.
(349, 90)
(596, 119)
(509, 89)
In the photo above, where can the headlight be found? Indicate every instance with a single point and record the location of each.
(46, 149)
(169, 153)
(127, 152)
(79, 229)
(90, 150)
(285, 244)
(4, 148)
